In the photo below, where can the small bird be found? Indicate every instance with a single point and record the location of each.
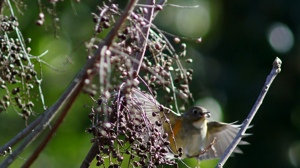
(190, 134)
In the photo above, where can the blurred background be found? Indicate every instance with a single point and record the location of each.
(240, 40)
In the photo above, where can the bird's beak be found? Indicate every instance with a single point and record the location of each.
(206, 114)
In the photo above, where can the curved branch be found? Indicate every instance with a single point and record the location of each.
(275, 71)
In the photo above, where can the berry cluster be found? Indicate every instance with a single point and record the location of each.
(123, 131)
(17, 73)
(126, 130)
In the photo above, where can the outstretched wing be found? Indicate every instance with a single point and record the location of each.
(224, 134)
(146, 104)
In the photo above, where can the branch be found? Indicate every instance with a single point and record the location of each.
(21, 134)
(67, 98)
(90, 156)
(44, 143)
(275, 71)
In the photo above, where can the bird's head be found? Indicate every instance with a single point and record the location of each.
(196, 113)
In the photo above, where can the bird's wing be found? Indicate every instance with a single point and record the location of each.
(152, 111)
(145, 102)
(141, 106)
(224, 134)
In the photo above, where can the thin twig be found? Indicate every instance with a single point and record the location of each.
(210, 146)
(144, 37)
(275, 71)
(180, 6)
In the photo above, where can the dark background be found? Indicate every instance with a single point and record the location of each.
(230, 67)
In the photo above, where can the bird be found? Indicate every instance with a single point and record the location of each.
(191, 134)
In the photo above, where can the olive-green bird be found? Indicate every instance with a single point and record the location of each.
(191, 131)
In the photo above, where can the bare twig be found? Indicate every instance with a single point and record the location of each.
(144, 37)
(180, 6)
(275, 71)
(210, 146)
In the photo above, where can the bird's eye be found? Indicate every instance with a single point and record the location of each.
(195, 111)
